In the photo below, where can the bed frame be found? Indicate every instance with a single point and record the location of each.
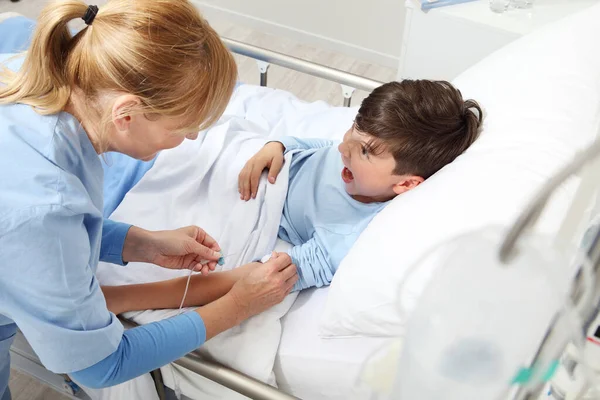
(264, 58)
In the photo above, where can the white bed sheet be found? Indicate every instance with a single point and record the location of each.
(307, 366)
(314, 368)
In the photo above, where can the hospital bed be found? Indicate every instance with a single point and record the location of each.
(308, 366)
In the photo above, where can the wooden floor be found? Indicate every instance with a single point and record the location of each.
(305, 87)
(24, 387)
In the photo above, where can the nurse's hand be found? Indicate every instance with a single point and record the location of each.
(263, 287)
(266, 285)
(184, 248)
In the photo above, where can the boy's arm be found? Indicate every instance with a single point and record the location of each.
(168, 294)
(293, 143)
(271, 157)
(318, 259)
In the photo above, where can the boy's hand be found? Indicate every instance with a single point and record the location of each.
(271, 157)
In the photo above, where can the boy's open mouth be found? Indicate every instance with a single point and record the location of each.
(347, 175)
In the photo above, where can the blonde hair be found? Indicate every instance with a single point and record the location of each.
(162, 51)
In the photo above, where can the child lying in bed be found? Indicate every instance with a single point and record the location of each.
(403, 133)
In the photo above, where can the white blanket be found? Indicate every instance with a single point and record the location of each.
(196, 183)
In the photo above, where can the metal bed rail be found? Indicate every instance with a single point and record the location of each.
(220, 374)
(348, 81)
(232, 379)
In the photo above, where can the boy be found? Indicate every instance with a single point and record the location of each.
(403, 133)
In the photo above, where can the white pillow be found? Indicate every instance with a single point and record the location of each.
(542, 99)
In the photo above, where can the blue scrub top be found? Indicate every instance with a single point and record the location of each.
(52, 234)
(63, 150)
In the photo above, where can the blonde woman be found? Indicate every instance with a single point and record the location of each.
(139, 78)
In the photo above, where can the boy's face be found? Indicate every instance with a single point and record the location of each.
(369, 177)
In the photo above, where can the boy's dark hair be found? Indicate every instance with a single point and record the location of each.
(423, 124)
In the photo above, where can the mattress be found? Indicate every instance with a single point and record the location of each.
(307, 366)
(313, 368)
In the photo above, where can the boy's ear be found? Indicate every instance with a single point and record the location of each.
(406, 183)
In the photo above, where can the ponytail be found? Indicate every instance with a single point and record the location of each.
(41, 82)
(163, 52)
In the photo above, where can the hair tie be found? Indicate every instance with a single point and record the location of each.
(90, 14)
(467, 110)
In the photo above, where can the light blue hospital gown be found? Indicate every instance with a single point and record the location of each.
(320, 218)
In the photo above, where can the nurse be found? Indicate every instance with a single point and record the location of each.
(139, 78)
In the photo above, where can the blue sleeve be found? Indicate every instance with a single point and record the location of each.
(292, 143)
(113, 239)
(318, 259)
(121, 174)
(144, 349)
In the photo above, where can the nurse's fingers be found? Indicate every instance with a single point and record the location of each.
(202, 251)
(205, 270)
(289, 272)
(202, 267)
(205, 239)
(290, 283)
(211, 265)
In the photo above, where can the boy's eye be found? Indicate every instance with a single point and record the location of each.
(364, 150)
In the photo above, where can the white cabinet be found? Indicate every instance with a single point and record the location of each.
(443, 42)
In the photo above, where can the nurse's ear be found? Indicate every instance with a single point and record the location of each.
(122, 111)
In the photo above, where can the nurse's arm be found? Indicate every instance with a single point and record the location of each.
(145, 348)
(168, 294)
(56, 302)
(113, 240)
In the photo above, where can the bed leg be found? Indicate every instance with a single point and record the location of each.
(263, 67)
(159, 384)
(347, 91)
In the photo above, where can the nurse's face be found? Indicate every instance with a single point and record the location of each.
(142, 136)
